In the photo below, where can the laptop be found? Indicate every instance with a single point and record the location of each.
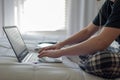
(20, 49)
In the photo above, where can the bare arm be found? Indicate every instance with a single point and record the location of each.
(88, 46)
(52, 51)
(80, 36)
(76, 38)
(97, 43)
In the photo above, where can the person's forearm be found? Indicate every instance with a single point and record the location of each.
(76, 38)
(87, 47)
(80, 36)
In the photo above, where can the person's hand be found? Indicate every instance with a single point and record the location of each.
(50, 53)
(53, 47)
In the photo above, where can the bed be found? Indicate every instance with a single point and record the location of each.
(11, 69)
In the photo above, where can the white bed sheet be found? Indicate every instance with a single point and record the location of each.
(10, 69)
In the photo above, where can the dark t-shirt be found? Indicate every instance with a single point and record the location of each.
(109, 16)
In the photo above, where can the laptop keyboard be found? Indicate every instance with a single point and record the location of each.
(33, 58)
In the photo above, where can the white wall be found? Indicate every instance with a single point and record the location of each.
(1, 17)
(9, 12)
(6, 14)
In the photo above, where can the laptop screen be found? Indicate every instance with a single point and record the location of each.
(16, 41)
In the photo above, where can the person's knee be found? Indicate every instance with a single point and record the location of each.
(104, 64)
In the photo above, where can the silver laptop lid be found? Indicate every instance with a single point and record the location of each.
(16, 42)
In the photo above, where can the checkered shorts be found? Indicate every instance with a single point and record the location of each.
(105, 64)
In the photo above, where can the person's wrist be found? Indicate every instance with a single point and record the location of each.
(59, 53)
(61, 44)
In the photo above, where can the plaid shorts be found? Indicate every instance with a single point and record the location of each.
(105, 64)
